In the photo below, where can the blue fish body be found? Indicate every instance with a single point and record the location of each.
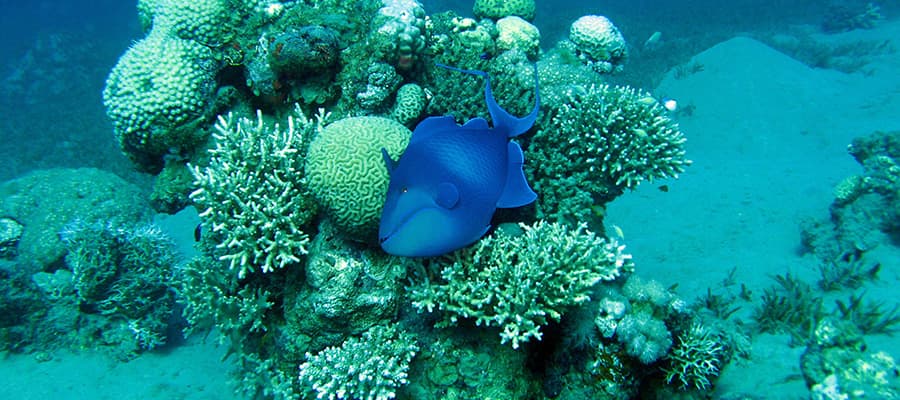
(445, 187)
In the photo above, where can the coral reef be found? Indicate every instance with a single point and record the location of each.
(521, 282)
(252, 196)
(45, 201)
(497, 9)
(837, 365)
(516, 33)
(398, 36)
(156, 94)
(598, 43)
(409, 104)
(290, 275)
(346, 173)
(370, 367)
(600, 142)
(864, 214)
(122, 273)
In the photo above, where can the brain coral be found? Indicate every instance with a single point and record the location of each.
(346, 172)
(599, 41)
(497, 9)
(157, 89)
(411, 101)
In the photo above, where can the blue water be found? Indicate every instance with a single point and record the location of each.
(767, 122)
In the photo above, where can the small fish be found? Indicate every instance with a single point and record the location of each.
(669, 104)
(619, 232)
(486, 56)
(663, 188)
(647, 100)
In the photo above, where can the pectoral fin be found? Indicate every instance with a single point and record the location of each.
(516, 192)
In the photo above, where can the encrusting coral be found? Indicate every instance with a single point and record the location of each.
(123, 273)
(252, 196)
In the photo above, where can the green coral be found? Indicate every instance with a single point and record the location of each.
(516, 33)
(398, 33)
(348, 287)
(695, 359)
(599, 142)
(409, 105)
(252, 197)
(146, 10)
(598, 43)
(124, 274)
(45, 201)
(156, 94)
(520, 283)
(497, 9)
(346, 171)
(370, 367)
(204, 21)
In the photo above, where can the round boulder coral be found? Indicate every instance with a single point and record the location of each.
(45, 201)
(157, 89)
(496, 9)
(599, 41)
(346, 172)
(517, 33)
(203, 21)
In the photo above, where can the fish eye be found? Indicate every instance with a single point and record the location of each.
(404, 190)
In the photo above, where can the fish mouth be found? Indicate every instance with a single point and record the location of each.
(403, 222)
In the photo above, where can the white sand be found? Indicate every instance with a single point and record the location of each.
(768, 139)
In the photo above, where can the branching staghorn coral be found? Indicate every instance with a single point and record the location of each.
(252, 197)
(520, 283)
(370, 367)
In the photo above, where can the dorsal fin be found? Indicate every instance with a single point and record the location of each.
(389, 162)
(516, 192)
(432, 125)
(503, 120)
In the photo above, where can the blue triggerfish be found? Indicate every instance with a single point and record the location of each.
(445, 187)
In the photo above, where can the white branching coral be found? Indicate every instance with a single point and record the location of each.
(370, 367)
(520, 283)
(252, 197)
